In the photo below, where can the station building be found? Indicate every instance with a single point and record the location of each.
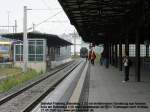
(45, 51)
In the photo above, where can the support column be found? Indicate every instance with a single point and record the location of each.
(137, 62)
(113, 55)
(120, 56)
(110, 54)
(107, 54)
(127, 47)
(116, 56)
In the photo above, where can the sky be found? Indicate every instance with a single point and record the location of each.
(11, 10)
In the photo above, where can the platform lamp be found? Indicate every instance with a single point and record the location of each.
(146, 43)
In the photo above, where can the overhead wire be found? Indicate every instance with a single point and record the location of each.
(36, 25)
(46, 20)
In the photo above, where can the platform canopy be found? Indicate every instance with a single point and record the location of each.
(52, 40)
(100, 21)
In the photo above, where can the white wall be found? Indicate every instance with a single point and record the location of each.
(38, 66)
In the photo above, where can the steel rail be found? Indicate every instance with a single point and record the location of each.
(38, 100)
(13, 95)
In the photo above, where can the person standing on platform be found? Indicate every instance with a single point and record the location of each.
(101, 58)
(93, 56)
(126, 67)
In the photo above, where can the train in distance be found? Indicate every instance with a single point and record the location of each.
(83, 52)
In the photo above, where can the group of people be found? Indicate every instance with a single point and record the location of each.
(91, 56)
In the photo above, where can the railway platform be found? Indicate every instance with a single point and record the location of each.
(92, 88)
(111, 95)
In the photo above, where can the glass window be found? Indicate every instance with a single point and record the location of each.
(118, 50)
(39, 42)
(31, 57)
(123, 50)
(142, 50)
(31, 42)
(132, 50)
(18, 50)
(39, 57)
(31, 49)
(35, 51)
(39, 50)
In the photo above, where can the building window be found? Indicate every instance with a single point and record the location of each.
(142, 50)
(35, 50)
(132, 50)
(18, 52)
(123, 50)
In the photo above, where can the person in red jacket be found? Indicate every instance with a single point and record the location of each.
(93, 56)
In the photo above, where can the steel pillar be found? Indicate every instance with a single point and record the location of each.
(116, 56)
(120, 56)
(137, 60)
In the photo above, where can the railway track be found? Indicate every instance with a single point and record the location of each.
(35, 92)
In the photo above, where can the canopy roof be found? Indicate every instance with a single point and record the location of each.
(99, 21)
(52, 40)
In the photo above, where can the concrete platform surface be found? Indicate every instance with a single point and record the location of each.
(111, 95)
